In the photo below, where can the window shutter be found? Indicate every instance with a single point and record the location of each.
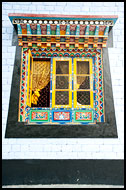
(29, 78)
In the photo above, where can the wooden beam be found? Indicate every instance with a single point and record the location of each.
(58, 29)
(38, 29)
(19, 29)
(106, 31)
(48, 29)
(96, 31)
(29, 29)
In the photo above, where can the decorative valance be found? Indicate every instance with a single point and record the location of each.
(62, 31)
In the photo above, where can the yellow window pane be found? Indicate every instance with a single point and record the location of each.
(62, 67)
(62, 98)
(83, 82)
(83, 97)
(82, 67)
(62, 82)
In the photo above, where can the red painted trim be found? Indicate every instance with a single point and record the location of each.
(65, 16)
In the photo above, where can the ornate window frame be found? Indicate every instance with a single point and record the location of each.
(103, 127)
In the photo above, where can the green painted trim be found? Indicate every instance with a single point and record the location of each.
(91, 32)
(43, 39)
(34, 120)
(87, 121)
(20, 117)
(53, 32)
(81, 39)
(72, 45)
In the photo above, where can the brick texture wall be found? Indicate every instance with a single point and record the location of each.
(65, 148)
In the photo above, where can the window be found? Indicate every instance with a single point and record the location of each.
(83, 83)
(61, 83)
(41, 83)
(72, 87)
(38, 82)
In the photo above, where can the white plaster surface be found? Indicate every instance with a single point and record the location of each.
(63, 186)
(65, 148)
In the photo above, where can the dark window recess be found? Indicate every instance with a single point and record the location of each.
(82, 67)
(44, 98)
(84, 82)
(83, 97)
(62, 98)
(62, 82)
(62, 67)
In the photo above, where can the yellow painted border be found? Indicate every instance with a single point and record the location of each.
(29, 77)
(75, 82)
(25, 90)
(54, 83)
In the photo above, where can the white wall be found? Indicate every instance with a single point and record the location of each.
(88, 148)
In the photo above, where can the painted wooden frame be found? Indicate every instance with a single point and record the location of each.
(29, 78)
(75, 83)
(54, 83)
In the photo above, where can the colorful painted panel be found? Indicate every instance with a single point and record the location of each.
(61, 116)
(98, 93)
(39, 116)
(23, 78)
(83, 116)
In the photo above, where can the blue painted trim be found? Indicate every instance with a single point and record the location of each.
(96, 30)
(38, 108)
(68, 30)
(38, 29)
(29, 29)
(87, 30)
(77, 29)
(102, 118)
(48, 29)
(19, 29)
(72, 83)
(58, 29)
(106, 31)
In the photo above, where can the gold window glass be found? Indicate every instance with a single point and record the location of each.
(61, 85)
(41, 83)
(83, 83)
